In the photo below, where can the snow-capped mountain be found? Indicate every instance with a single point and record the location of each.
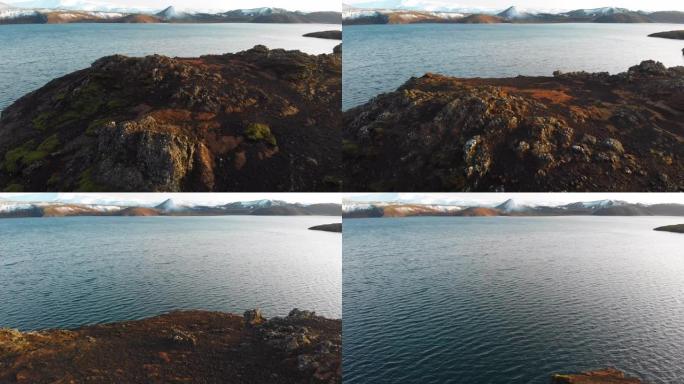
(352, 209)
(512, 13)
(169, 206)
(604, 11)
(262, 11)
(603, 203)
(171, 13)
(10, 209)
(511, 205)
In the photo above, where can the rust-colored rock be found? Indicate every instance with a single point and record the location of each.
(571, 132)
(180, 347)
(602, 376)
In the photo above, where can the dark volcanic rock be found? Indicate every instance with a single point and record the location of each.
(180, 347)
(336, 227)
(678, 228)
(332, 35)
(571, 132)
(603, 376)
(258, 120)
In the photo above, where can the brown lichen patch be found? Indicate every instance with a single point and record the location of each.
(173, 116)
(555, 96)
(222, 144)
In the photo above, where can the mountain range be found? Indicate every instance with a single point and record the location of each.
(13, 209)
(92, 14)
(509, 208)
(353, 15)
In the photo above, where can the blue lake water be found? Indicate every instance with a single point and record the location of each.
(67, 272)
(511, 300)
(380, 58)
(32, 55)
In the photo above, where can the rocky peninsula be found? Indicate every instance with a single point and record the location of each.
(678, 35)
(335, 227)
(180, 347)
(258, 120)
(678, 228)
(603, 376)
(570, 132)
(331, 35)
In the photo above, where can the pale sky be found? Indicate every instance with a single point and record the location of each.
(179, 198)
(545, 5)
(488, 199)
(293, 5)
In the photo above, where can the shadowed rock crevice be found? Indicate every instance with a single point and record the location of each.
(571, 132)
(258, 120)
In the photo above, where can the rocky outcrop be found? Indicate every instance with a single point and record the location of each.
(571, 132)
(678, 228)
(194, 346)
(335, 227)
(258, 120)
(603, 376)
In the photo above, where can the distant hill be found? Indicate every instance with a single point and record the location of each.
(14, 15)
(352, 15)
(511, 208)
(9, 209)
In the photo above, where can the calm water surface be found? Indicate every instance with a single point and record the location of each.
(32, 55)
(67, 272)
(511, 300)
(380, 58)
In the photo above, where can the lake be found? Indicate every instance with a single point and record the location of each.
(68, 272)
(32, 55)
(380, 58)
(511, 300)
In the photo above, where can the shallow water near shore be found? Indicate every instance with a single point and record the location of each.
(68, 272)
(503, 300)
(32, 55)
(380, 58)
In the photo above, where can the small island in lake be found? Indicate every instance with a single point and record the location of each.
(332, 35)
(678, 35)
(180, 347)
(678, 228)
(335, 227)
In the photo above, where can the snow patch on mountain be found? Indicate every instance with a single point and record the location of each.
(9, 206)
(15, 13)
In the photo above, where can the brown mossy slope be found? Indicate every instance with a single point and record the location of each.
(570, 132)
(258, 120)
(180, 347)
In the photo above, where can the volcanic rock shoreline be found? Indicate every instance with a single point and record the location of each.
(258, 120)
(570, 132)
(180, 347)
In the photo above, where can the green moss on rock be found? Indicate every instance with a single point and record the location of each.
(86, 182)
(260, 132)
